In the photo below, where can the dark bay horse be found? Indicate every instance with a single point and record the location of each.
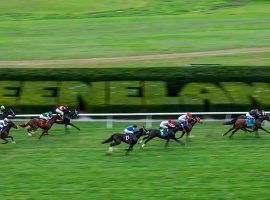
(188, 127)
(6, 113)
(117, 138)
(35, 123)
(5, 132)
(240, 124)
(156, 133)
(70, 114)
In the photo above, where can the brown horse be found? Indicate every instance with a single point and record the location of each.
(188, 127)
(36, 123)
(5, 132)
(171, 136)
(240, 124)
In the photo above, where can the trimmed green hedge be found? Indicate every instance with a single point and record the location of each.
(169, 74)
(168, 89)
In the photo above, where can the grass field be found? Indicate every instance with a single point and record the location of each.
(74, 166)
(34, 30)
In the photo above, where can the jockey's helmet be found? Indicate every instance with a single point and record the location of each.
(2, 107)
(50, 113)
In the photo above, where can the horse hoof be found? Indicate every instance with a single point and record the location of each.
(13, 142)
(143, 146)
(30, 134)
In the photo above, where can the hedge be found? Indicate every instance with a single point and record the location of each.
(168, 89)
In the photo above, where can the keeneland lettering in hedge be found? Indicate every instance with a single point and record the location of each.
(135, 96)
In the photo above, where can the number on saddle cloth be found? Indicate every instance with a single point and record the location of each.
(249, 122)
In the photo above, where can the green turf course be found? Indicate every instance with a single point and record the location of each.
(74, 166)
(46, 30)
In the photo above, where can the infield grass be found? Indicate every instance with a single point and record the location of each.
(147, 27)
(74, 166)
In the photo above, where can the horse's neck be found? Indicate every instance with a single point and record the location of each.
(53, 119)
(5, 114)
(193, 122)
(139, 134)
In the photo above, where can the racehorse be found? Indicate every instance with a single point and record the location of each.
(5, 132)
(156, 133)
(6, 113)
(70, 114)
(117, 138)
(36, 123)
(241, 124)
(188, 127)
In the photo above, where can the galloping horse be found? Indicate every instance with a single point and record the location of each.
(241, 124)
(6, 113)
(188, 127)
(70, 114)
(35, 123)
(156, 133)
(117, 138)
(5, 132)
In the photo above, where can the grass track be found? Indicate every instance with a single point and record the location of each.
(74, 166)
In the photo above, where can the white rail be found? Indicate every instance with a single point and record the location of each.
(147, 116)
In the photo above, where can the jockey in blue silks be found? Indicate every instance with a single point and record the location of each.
(129, 131)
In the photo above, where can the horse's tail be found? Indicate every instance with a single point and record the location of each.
(230, 122)
(23, 125)
(110, 139)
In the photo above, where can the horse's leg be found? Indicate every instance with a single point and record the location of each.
(178, 141)
(74, 126)
(167, 142)
(13, 141)
(234, 132)
(43, 133)
(183, 133)
(114, 143)
(147, 140)
(5, 140)
(264, 130)
(228, 131)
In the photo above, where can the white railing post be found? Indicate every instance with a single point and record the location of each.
(109, 122)
(149, 121)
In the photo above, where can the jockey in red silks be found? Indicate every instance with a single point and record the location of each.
(61, 110)
(183, 119)
(165, 126)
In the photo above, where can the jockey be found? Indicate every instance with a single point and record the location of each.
(166, 125)
(46, 115)
(183, 119)
(3, 123)
(2, 109)
(61, 110)
(130, 130)
(253, 114)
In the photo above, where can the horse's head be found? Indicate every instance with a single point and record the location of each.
(73, 114)
(264, 116)
(143, 131)
(197, 119)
